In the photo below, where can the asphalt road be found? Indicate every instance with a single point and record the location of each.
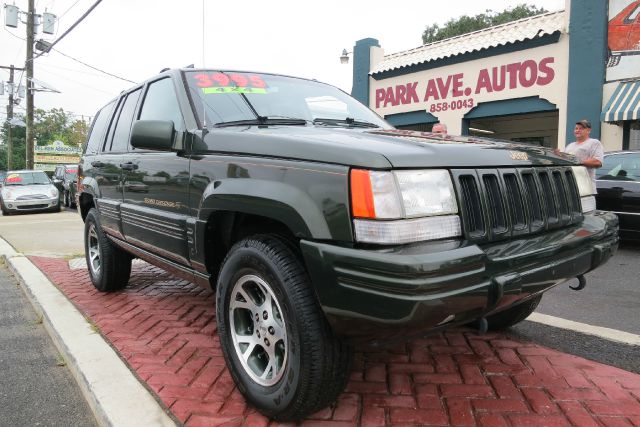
(57, 234)
(611, 298)
(36, 388)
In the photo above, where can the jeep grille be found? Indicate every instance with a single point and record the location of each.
(498, 204)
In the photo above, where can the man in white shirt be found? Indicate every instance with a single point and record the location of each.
(588, 150)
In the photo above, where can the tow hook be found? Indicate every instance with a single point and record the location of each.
(582, 283)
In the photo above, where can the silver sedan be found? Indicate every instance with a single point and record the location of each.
(27, 190)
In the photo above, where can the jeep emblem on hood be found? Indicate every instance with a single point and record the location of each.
(518, 155)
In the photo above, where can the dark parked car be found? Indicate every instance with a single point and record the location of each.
(64, 178)
(28, 190)
(618, 182)
(318, 223)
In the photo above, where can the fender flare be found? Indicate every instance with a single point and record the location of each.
(272, 199)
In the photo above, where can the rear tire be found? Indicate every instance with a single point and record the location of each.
(513, 315)
(275, 339)
(109, 266)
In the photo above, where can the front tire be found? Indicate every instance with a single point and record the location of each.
(277, 344)
(109, 266)
(513, 315)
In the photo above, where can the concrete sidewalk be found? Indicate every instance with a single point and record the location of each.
(114, 394)
(165, 330)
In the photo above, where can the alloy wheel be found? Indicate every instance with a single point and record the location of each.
(94, 250)
(258, 330)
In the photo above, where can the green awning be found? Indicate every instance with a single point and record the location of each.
(624, 104)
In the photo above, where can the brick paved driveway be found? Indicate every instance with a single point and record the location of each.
(165, 329)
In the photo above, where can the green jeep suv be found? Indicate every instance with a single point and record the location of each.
(317, 223)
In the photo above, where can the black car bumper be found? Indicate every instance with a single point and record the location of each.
(377, 292)
(629, 225)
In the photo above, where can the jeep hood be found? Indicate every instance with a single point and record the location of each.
(375, 148)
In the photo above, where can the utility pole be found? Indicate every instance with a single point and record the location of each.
(29, 66)
(9, 117)
(11, 90)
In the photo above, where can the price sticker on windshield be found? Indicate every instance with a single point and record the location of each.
(212, 83)
(13, 178)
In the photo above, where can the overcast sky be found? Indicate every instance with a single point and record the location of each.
(135, 39)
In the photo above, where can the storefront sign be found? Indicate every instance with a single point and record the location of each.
(58, 147)
(39, 158)
(48, 156)
(460, 90)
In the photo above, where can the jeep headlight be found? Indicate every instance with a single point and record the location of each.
(403, 206)
(585, 188)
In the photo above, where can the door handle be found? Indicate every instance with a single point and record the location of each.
(97, 164)
(129, 166)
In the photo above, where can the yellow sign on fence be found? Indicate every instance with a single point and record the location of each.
(40, 158)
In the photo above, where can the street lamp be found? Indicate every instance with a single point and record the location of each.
(344, 58)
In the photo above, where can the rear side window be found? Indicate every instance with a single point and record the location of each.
(160, 103)
(100, 123)
(620, 167)
(121, 134)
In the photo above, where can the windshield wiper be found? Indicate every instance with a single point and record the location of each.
(263, 120)
(349, 122)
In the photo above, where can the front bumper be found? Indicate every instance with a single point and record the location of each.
(412, 288)
(30, 204)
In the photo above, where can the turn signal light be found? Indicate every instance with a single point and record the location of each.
(362, 194)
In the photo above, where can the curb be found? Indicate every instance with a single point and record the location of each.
(114, 394)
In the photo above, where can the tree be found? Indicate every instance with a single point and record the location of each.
(18, 136)
(49, 126)
(466, 24)
(58, 125)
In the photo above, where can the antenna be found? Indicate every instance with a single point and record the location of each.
(203, 36)
(204, 112)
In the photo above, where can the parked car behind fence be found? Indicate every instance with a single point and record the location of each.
(28, 191)
(64, 178)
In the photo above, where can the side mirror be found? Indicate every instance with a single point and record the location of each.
(153, 135)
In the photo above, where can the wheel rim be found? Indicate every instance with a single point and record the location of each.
(94, 250)
(258, 330)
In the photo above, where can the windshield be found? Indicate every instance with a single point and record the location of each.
(26, 178)
(620, 167)
(71, 174)
(227, 97)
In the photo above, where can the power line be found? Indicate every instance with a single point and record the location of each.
(57, 67)
(75, 24)
(81, 84)
(65, 12)
(95, 68)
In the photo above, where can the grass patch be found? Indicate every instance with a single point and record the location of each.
(60, 360)
(73, 256)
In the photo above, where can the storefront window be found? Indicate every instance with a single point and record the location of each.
(634, 136)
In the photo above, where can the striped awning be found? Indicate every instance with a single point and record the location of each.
(624, 104)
